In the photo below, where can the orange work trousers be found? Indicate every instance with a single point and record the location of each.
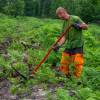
(76, 59)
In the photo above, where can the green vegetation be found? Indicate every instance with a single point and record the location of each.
(47, 8)
(28, 40)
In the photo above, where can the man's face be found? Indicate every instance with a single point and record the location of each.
(62, 14)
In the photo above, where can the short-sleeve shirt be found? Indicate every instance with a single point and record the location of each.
(74, 37)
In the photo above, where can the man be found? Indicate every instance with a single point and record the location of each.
(73, 41)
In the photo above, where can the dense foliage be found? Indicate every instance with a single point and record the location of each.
(23, 43)
(88, 10)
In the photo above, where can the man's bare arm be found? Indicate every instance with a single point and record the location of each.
(62, 41)
(84, 26)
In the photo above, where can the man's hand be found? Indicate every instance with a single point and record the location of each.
(80, 26)
(77, 26)
(56, 48)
